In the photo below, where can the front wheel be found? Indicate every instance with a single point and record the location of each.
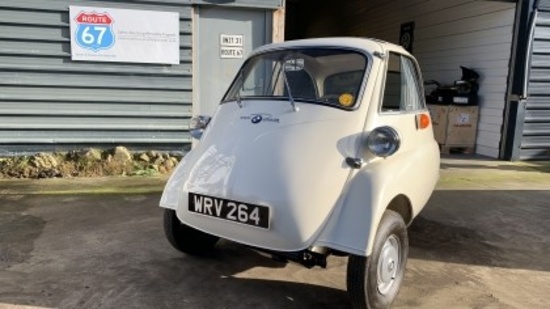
(374, 282)
(185, 238)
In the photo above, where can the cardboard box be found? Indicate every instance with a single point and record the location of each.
(454, 125)
(439, 114)
(462, 125)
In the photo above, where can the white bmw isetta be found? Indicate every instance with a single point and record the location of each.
(319, 147)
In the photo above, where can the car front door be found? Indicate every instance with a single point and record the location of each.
(403, 108)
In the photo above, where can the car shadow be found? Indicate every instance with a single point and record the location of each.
(222, 282)
(506, 229)
(109, 251)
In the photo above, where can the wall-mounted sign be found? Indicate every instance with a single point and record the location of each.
(406, 36)
(231, 46)
(117, 35)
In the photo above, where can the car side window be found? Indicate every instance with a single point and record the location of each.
(402, 89)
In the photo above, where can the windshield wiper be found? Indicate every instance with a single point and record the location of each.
(290, 97)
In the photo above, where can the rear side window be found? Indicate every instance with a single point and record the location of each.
(402, 91)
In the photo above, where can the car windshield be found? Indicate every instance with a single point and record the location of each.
(313, 75)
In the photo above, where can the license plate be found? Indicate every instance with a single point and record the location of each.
(235, 211)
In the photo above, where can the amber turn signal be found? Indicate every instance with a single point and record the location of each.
(423, 121)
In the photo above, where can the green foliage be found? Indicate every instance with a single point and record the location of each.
(141, 169)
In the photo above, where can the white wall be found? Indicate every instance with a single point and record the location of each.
(450, 33)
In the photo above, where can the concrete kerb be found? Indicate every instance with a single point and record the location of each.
(457, 173)
(481, 173)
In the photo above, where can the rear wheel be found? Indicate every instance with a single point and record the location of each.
(374, 282)
(185, 238)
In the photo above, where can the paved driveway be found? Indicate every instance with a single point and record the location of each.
(478, 248)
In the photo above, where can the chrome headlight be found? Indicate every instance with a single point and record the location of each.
(197, 126)
(383, 141)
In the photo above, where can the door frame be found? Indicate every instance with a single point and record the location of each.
(518, 80)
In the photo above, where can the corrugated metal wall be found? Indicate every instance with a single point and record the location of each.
(535, 142)
(256, 4)
(448, 34)
(48, 102)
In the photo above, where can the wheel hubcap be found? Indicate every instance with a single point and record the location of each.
(388, 264)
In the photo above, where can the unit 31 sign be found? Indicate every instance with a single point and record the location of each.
(231, 46)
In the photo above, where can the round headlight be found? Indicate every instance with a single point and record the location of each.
(197, 126)
(383, 141)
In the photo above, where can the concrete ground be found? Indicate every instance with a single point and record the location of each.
(483, 241)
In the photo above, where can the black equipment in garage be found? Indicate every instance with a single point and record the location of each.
(463, 92)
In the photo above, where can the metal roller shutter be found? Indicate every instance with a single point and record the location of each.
(535, 143)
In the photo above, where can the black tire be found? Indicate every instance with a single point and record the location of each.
(185, 238)
(363, 284)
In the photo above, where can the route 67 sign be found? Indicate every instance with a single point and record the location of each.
(94, 31)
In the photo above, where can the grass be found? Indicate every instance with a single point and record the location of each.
(494, 179)
(81, 186)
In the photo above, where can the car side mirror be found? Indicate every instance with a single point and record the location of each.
(197, 126)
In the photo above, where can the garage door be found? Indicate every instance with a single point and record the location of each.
(215, 71)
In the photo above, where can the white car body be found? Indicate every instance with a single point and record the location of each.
(294, 163)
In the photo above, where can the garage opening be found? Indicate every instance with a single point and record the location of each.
(443, 35)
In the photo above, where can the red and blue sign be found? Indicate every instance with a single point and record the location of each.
(94, 31)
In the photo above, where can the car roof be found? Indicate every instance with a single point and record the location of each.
(367, 44)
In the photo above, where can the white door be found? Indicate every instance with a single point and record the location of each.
(223, 38)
